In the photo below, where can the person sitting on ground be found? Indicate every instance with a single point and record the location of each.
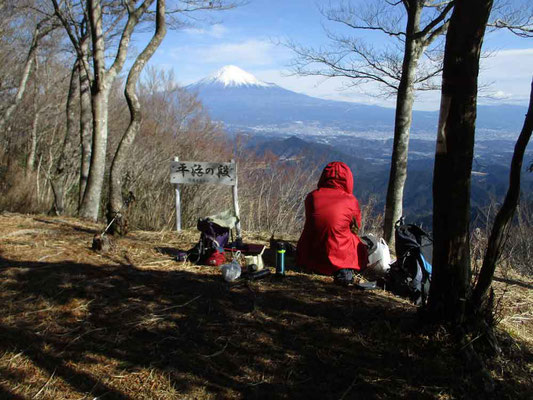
(329, 243)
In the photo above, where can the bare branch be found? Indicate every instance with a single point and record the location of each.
(371, 17)
(443, 14)
(334, 64)
(516, 17)
(432, 3)
(525, 31)
(436, 33)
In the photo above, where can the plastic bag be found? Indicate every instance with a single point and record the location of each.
(231, 271)
(379, 259)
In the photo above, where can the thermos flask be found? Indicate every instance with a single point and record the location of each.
(280, 258)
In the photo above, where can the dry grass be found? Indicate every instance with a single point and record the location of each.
(134, 324)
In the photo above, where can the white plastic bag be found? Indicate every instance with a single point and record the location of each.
(231, 271)
(379, 259)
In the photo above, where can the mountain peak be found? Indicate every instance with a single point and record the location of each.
(231, 75)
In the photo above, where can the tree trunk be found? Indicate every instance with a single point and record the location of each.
(90, 206)
(402, 124)
(58, 180)
(30, 160)
(116, 202)
(500, 230)
(38, 34)
(453, 161)
(85, 119)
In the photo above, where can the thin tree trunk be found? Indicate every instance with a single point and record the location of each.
(38, 34)
(453, 161)
(502, 223)
(30, 160)
(116, 201)
(90, 205)
(85, 119)
(402, 124)
(58, 180)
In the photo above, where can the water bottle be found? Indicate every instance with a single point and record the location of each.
(258, 274)
(231, 271)
(280, 259)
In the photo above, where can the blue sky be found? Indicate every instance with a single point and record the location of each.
(247, 37)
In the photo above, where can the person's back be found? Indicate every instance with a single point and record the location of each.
(327, 243)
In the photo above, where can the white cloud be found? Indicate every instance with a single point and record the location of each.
(506, 75)
(216, 31)
(245, 54)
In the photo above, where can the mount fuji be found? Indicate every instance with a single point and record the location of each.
(240, 100)
(244, 103)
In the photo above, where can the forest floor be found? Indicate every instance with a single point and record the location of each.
(132, 323)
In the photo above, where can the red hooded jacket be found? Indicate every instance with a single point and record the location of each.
(327, 244)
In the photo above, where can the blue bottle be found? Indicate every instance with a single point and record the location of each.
(280, 258)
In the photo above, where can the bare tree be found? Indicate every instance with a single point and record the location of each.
(453, 161)
(86, 123)
(104, 77)
(397, 70)
(502, 223)
(74, 18)
(58, 179)
(42, 29)
(116, 200)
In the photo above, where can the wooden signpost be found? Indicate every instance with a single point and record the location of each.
(193, 172)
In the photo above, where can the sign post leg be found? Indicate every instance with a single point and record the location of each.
(236, 203)
(178, 208)
(178, 204)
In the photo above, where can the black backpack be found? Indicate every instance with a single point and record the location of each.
(212, 237)
(410, 275)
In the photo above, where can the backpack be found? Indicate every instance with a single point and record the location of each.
(410, 275)
(210, 247)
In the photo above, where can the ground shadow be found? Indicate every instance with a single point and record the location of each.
(296, 337)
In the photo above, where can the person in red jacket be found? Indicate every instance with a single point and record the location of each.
(329, 243)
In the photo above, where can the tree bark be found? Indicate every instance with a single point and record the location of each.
(86, 128)
(453, 161)
(402, 123)
(30, 159)
(116, 202)
(502, 223)
(58, 179)
(78, 33)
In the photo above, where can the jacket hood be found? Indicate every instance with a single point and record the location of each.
(337, 175)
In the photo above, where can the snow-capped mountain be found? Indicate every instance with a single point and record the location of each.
(232, 76)
(239, 99)
(243, 102)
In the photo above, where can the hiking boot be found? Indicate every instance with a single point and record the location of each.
(344, 277)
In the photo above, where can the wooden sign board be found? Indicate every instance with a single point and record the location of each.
(196, 172)
(203, 172)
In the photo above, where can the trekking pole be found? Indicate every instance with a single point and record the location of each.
(126, 204)
(100, 241)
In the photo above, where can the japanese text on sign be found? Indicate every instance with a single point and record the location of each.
(202, 172)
